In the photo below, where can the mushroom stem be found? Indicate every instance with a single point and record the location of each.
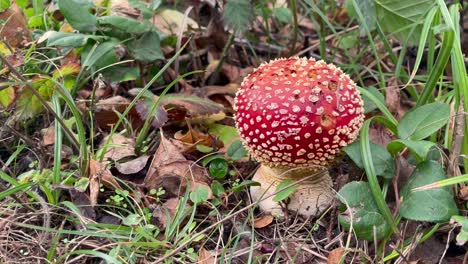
(312, 196)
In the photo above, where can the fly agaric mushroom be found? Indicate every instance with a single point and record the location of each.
(294, 115)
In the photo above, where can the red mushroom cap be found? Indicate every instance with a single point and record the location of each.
(297, 112)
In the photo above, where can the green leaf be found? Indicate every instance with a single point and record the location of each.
(200, 195)
(28, 105)
(78, 15)
(218, 168)
(244, 184)
(101, 56)
(367, 8)
(217, 188)
(398, 17)
(4, 5)
(203, 148)
(421, 122)
(238, 15)
(225, 133)
(82, 184)
(126, 24)
(132, 219)
(210, 158)
(236, 150)
(362, 213)
(119, 73)
(65, 39)
(462, 237)
(369, 105)
(434, 205)
(383, 162)
(7, 96)
(419, 148)
(283, 14)
(286, 192)
(146, 48)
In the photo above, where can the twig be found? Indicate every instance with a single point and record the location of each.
(292, 4)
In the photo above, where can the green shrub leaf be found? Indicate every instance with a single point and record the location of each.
(286, 192)
(238, 14)
(78, 15)
(383, 162)
(236, 150)
(434, 205)
(362, 213)
(65, 39)
(419, 148)
(423, 121)
(146, 48)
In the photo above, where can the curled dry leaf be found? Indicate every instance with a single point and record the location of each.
(393, 97)
(194, 137)
(263, 221)
(15, 30)
(205, 257)
(105, 113)
(119, 147)
(48, 135)
(124, 9)
(99, 173)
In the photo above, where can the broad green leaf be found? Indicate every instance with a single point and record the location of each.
(244, 184)
(199, 195)
(236, 150)
(462, 237)
(383, 162)
(203, 148)
(146, 48)
(421, 122)
(82, 184)
(362, 213)
(126, 24)
(65, 39)
(28, 105)
(217, 188)
(119, 73)
(7, 96)
(4, 5)
(286, 192)
(283, 14)
(419, 148)
(398, 17)
(434, 205)
(78, 15)
(218, 168)
(225, 133)
(132, 219)
(370, 106)
(238, 15)
(210, 158)
(101, 56)
(367, 8)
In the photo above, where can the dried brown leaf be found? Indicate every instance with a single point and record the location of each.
(170, 206)
(15, 28)
(263, 221)
(169, 21)
(205, 257)
(463, 193)
(133, 166)
(99, 173)
(48, 135)
(393, 97)
(335, 256)
(105, 112)
(119, 147)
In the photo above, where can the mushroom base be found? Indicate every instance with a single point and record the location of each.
(311, 198)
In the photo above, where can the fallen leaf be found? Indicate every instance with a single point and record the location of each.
(16, 59)
(166, 153)
(228, 71)
(393, 97)
(124, 9)
(133, 166)
(119, 147)
(463, 193)
(194, 137)
(105, 112)
(335, 255)
(99, 173)
(15, 28)
(48, 135)
(83, 202)
(7, 97)
(263, 221)
(170, 206)
(169, 21)
(205, 257)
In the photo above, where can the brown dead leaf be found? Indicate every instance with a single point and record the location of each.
(105, 113)
(205, 257)
(15, 30)
(16, 59)
(263, 221)
(463, 193)
(194, 137)
(48, 135)
(335, 255)
(379, 135)
(133, 166)
(99, 173)
(119, 147)
(170, 206)
(393, 97)
(228, 71)
(169, 21)
(124, 9)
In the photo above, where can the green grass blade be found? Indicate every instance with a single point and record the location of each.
(447, 182)
(381, 106)
(15, 189)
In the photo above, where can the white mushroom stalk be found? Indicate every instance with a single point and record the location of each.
(294, 115)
